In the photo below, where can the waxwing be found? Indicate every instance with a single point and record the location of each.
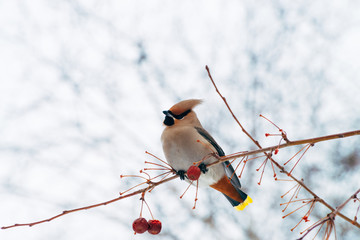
(185, 142)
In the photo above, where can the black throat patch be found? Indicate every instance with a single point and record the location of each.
(169, 121)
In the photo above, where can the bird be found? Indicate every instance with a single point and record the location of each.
(186, 142)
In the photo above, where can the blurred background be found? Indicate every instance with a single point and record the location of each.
(82, 89)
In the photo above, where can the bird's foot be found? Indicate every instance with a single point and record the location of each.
(181, 174)
(203, 168)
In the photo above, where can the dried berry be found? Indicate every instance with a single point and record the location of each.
(193, 173)
(140, 225)
(154, 226)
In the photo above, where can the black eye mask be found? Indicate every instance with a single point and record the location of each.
(180, 116)
(169, 117)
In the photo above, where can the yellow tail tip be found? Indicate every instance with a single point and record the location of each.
(242, 205)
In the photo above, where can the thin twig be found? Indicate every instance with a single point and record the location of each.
(338, 209)
(331, 215)
(315, 225)
(228, 107)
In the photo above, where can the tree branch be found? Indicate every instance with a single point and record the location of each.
(330, 216)
(140, 191)
(338, 209)
(289, 143)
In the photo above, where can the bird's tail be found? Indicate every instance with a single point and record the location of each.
(239, 206)
(238, 199)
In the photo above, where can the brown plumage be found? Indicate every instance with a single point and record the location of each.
(185, 142)
(224, 185)
(185, 105)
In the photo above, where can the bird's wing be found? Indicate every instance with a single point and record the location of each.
(211, 140)
(229, 170)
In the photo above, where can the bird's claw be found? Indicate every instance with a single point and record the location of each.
(181, 174)
(203, 168)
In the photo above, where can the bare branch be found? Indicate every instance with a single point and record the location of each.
(140, 191)
(289, 143)
(330, 216)
(292, 143)
(338, 209)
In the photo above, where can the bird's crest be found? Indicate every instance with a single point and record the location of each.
(184, 106)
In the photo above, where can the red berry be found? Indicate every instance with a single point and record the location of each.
(193, 173)
(140, 225)
(154, 226)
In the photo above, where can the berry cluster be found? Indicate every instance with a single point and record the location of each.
(140, 225)
(153, 226)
